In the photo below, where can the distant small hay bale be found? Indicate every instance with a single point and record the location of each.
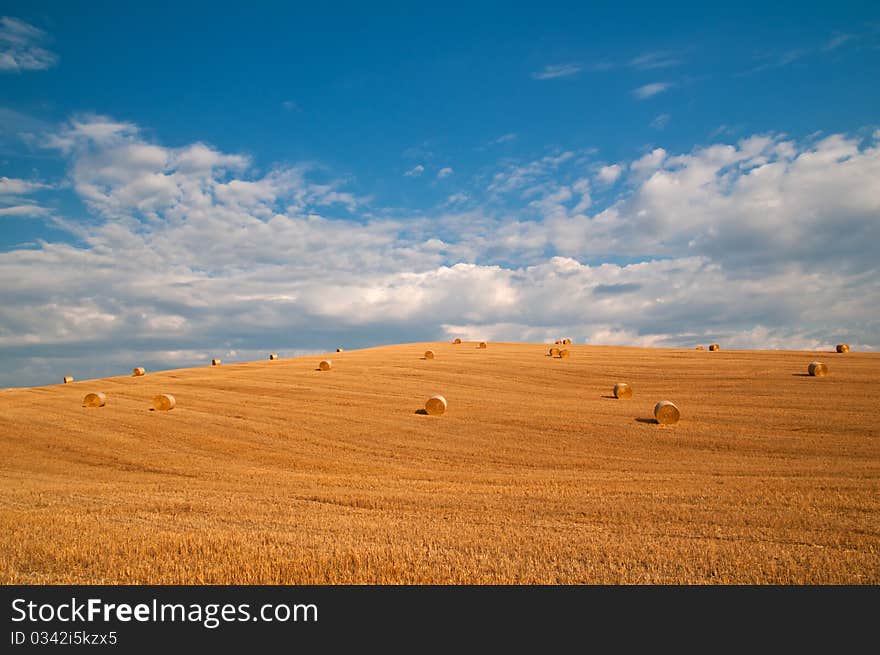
(215, 362)
(68, 379)
(138, 371)
(699, 348)
(482, 344)
(714, 347)
(558, 342)
(623, 391)
(164, 402)
(842, 348)
(435, 405)
(429, 354)
(817, 369)
(339, 350)
(666, 413)
(325, 365)
(563, 353)
(566, 342)
(273, 356)
(457, 341)
(554, 352)
(96, 399)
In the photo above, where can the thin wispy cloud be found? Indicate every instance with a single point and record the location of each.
(290, 105)
(504, 138)
(653, 60)
(837, 41)
(651, 90)
(415, 171)
(660, 121)
(20, 47)
(557, 71)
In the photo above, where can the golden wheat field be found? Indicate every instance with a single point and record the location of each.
(275, 472)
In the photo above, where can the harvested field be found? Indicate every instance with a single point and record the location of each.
(272, 472)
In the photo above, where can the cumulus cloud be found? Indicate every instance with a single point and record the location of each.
(650, 90)
(20, 47)
(196, 253)
(444, 172)
(556, 71)
(415, 171)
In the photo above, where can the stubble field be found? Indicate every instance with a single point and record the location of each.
(274, 472)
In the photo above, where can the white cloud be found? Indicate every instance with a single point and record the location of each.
(444, 172)
(457, 198)
(660, 122)
(557, 71)
(609, 174)
(194, 253)
(290, 105)
(416, 171)
(20, 49)
(650, 90)
(504, 138)
(653, 60)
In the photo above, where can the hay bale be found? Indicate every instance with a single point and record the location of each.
(68, 379)
(457, 341)
(96, 399)
(429, 354)
(623, 391)
(325, 365)
(554, 352)
(558, 342)
(566, 342)
(138, 371)
(273, 356)
(215, 362)
(699, 348)
(164, 402)
(435, 405)
(817, 369)
(339, 350)
(563, 353)
(666, 413)
(482, 344)
(842, 347)
(714, 347)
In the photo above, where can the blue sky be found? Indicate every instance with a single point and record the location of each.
(645, 174)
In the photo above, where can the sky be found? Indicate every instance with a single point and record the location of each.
(181, 181)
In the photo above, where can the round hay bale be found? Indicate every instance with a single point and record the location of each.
(699, 348)
(164, 402)
(482, 344)
(564, 353)
(666, 413)
(842, 347)
(566, 342)
(339, 350)
(558, 342)
(714, 347)
(68, 379)
(273, 356)
(435, 405)
(554, 352)
(215, 362)
(96, 399)
(138, 371)
(429, 354)
(623, 391)
(817, 369)
(457, 341)
(325, 365)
